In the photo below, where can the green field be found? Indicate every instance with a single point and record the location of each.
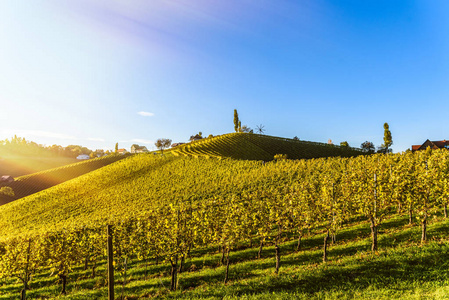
(32, 183)
(173, 212)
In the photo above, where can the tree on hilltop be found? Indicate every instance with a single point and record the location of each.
(236, 120)
(368, 147)
(162, 144)
(388, 140)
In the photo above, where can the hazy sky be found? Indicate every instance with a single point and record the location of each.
(99, 72)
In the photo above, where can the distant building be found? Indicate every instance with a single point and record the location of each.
(176, 144)
(6, 179)
(122, 151)
(432, 144)
(83, 156)
(195, 137)
(138, 149)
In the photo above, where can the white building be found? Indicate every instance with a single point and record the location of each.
(138, 149)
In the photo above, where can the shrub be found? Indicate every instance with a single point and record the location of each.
(7, 190)
(280, 157)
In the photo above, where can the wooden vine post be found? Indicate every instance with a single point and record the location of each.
(373, 217)
(110, 265)
(27, 273)
(426, 199)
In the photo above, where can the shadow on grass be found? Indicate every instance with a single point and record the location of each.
(404, 268)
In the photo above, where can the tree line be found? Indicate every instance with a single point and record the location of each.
(21, 146)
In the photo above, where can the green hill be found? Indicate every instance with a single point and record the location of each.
(20, 165)
(29, 184)
(138, 182)
(172, 212)
(119, 190)
(158, 203)
(261, 147)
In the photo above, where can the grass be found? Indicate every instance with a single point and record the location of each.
(402, 268)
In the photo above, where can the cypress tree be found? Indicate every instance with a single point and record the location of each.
(236, 121)
(388, 140)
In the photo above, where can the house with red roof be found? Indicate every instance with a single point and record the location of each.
(432, 144)
(122, 151)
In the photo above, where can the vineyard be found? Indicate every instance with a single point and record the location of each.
(260, 147)
(29, 184)
(363, 227)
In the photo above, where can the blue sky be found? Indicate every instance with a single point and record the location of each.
(94, 72)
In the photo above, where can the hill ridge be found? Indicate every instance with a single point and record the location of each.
(250, 146)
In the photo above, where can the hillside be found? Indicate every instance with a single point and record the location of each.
(145, 182)
(29, 184)
(138, 182)
(122, 189)
(192, 213)
(261, 147)
(17, 165)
